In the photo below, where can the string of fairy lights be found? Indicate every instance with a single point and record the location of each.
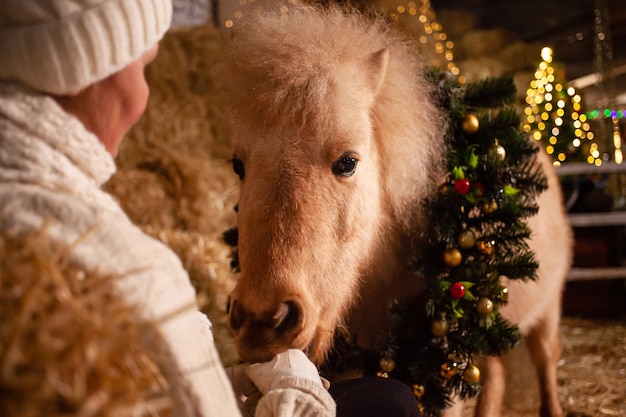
(419, 21)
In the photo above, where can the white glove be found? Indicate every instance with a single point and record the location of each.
(290, 363)
(251, 381)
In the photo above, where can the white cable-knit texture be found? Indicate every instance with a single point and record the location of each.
(63, 46)
(51, 168)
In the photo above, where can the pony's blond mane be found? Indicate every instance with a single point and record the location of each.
(277, 72)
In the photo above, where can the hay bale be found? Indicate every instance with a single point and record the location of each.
(70, 345)
(171, 191)
(136, 186)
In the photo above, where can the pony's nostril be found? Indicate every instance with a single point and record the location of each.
(236, 316)
(287, 317)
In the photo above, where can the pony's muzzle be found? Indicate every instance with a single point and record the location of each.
(285, 318)
(261, 334)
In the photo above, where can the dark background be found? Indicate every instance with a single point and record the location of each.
(568, 26)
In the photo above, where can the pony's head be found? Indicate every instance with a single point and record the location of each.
(337, 143)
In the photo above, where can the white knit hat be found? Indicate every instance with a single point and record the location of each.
(62, 46)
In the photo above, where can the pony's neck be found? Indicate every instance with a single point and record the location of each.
(388, 278)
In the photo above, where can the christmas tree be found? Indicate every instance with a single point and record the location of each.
(554, 116)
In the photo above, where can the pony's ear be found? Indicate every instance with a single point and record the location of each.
(377, 69)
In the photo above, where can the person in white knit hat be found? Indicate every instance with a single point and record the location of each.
(71, 85)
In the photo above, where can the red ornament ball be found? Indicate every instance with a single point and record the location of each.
(457, 290)
(462, 186)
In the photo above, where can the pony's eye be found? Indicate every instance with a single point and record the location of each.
(238, 167)
(345, 166)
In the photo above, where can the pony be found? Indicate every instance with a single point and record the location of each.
(338, 144)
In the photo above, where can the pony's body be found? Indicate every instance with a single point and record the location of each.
(338, 144)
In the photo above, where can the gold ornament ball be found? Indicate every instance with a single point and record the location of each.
(452, 257)
(440, 327)
(466, 239)
(484, 305)
(449, 369)
(497, 152)
(470, 124)
(418, 390)
(386, 364)
(471, 374)
(486, 246)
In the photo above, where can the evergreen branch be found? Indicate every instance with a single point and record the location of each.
(521, 270)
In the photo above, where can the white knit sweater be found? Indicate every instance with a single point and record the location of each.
(52, 168)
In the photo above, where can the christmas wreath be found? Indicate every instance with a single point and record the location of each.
(477, 234)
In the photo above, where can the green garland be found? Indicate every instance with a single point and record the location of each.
(477, 234)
